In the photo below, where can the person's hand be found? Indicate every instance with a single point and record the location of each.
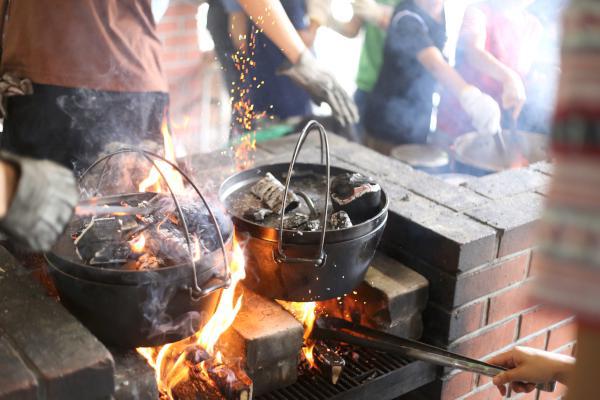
(368, 10)
(528, 367)
(513, 94)
(483, 110)
(45, 197)
(322, 87)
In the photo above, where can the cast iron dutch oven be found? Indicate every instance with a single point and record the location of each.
(130, 308)
(304, 266)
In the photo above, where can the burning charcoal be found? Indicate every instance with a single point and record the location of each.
(257, 214)
(99, 234)
(110, 254)
(200, 223)
(196, 354)
(148, 262)
(356, 194)
(329, 362)
(271, 192)
(295, 221)
(232, 381)
(340, 220)
(312, 225)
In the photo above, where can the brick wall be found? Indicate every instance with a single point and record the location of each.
(479, 266)
(199, 103)
(475, 245)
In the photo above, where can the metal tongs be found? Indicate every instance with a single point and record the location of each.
(328, 328)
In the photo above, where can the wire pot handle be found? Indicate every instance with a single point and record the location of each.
(196, 292)
(320, 258)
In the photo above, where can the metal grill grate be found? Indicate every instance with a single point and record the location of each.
(371, 373)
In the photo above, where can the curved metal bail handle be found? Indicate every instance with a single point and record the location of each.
(196, 292)
(321, 256)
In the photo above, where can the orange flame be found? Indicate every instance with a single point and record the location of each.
(137, 245)
(169, 361)
(306, 314)
(152, 183)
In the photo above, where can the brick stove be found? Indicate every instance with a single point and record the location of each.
(472, 243)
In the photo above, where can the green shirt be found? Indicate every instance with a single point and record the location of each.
(371, 54)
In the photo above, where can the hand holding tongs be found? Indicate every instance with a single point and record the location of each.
(343, 331)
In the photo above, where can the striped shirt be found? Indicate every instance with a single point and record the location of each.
(569, 274)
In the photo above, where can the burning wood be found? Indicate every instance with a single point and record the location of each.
(210, 378)
(150, 240)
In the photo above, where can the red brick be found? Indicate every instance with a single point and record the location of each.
(490, 392)
(488, 279)
(451, 325)
(181, 39)
(539, 319)
(487, 341)
(562, 335)
(535, 263)
(558, 393)
(537, 341)
(510, 302)
(166, 27)
(457, 385)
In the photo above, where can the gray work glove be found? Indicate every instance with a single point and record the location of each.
(322, 87)
(43, 203)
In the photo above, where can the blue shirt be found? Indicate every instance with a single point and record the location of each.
(400, 106)
(278, 95)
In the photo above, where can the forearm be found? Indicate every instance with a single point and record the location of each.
(583, 381)
(8, 185)
(432, 59)
(270, 16)
(238, 29)
(488, 64)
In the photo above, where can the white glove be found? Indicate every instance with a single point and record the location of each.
(484, 112)
(513, 94)
(368, 10)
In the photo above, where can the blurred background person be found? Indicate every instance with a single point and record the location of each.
(399, 108)
(372, 16)
(497, 51)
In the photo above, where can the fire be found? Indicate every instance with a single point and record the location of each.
(170, 362)
(245, 116)
(306, 314)
(152, 183)
(137, 245)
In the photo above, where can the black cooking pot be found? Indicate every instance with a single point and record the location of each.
(131, 308)
(302, 265)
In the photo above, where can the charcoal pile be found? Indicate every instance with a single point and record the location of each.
(354, 199)
(149, 238)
